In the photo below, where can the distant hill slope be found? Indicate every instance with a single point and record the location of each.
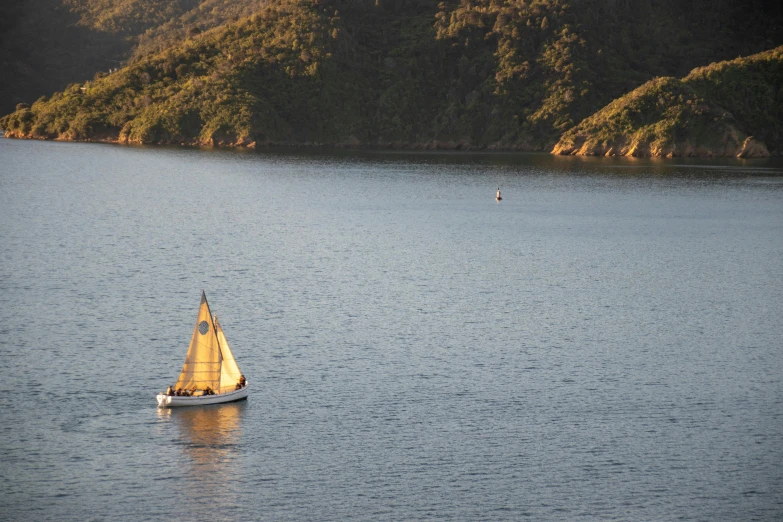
(154, 25)
(402, 73)
(42, 49)
(730, 108)
(206, 15)
(47, 44)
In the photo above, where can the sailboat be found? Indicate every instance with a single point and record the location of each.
(210, 374)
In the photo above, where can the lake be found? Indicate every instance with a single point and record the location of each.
(604, 343)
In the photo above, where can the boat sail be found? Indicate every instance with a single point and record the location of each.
(210, 374)
(229, 369)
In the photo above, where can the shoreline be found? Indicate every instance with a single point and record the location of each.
(433, 146)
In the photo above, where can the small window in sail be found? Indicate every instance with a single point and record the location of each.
(203, 327)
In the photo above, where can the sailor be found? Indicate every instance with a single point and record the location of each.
(242, 381)
(169, 391)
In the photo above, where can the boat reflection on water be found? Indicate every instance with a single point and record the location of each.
(209, 436)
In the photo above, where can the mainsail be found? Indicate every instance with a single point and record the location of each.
(229, 370)
(203, 361)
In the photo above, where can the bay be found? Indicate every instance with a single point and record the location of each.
(604, 343)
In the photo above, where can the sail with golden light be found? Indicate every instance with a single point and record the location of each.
(210, 374)
(229, 369)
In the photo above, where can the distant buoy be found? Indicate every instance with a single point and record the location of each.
(498, 198)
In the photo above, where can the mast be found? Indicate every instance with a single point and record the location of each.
(220, 352)
(215, 386)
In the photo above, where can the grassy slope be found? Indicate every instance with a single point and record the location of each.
(712, 111)
(393, 72)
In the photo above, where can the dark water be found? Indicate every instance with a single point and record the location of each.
(605, 343)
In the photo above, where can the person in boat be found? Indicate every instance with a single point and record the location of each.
(242, 381)
(208, 391)
(192, 391)
(169, 391)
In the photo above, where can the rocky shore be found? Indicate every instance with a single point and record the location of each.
(582, 146)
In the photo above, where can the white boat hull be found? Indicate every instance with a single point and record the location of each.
(174, 401)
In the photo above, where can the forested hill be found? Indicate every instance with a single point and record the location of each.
(731, 108)
(404, 73)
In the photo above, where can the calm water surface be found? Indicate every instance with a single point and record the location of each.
(605, 343)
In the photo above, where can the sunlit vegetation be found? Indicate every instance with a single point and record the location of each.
(714, 110)
(406, 73)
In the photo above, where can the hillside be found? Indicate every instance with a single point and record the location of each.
(47, 44)
(399, 73)
(42, 49)
(730, 108)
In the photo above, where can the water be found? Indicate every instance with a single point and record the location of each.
(605, 343)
